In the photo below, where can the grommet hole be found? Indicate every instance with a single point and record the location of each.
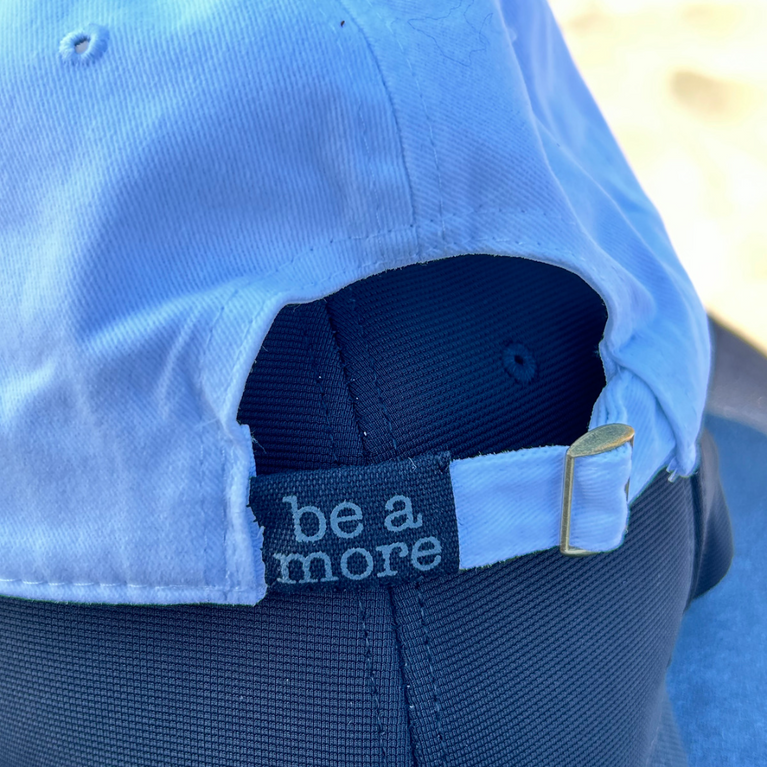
(519, 363)
(84, 46)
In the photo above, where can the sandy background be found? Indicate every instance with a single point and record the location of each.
(683, 86)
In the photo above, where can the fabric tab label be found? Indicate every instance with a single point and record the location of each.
(357, 526)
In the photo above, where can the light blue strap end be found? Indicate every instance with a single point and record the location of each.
(600, 504)
(511, 504)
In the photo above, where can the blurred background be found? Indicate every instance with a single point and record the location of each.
(683, 86)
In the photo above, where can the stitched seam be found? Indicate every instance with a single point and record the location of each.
(437, 707)
(180, 586)
(426, 115)
(654, 744)
(373, 368)
(228, 482)
(373, 686)
(203, 511)
(462, 217)
(323, 397)
(415, 746)
(391, 107)
(345, 59)
(347, 380)
(201, 383)
(224, 484)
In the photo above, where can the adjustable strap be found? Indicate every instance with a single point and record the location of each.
(514, 503)
(430, 515)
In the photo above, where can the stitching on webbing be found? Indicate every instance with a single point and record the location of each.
(323, 397)
(347, 378)
(437, 707)
(373, 686)
(373, 368)
(179, 586)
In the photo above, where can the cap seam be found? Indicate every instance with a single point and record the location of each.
(379, 393)
(371, 176)
(347, 383)
(178, 586)
(392, 109)
(425, 114)
(323, 397)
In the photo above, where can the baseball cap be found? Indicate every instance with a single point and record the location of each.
(474, 347)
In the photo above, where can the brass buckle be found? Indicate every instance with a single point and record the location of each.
(599, 440)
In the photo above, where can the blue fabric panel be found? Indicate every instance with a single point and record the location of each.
(422, 352)
(311, 682)
(542, 660)
(719, 672)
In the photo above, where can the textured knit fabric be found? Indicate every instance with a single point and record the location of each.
(542, 660)
(412, 361)
(311, 683)
(170, 188)
(719, 673)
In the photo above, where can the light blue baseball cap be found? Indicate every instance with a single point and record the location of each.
(172, 176)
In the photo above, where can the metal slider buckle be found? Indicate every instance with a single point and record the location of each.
(599, 440)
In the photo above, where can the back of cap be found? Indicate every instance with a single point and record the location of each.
(417, 224)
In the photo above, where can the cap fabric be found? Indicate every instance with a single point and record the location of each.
(413, 218)
(173, 178)
(541, 660)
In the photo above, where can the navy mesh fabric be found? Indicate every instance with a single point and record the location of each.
(309, 682)
(412, 361)
(542, 660)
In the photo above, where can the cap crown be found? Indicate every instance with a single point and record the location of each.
(174, 174)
